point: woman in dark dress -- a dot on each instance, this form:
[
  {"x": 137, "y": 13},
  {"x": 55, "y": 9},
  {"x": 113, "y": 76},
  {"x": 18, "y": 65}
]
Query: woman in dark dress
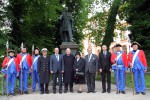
[
  {"x": 79, "y": 66},
  {"x": 44, "y": 71}
]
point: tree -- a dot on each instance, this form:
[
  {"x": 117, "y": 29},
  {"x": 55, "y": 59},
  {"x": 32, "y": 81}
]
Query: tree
[
  {"x": 103, "y": 22},
  {"x": 138, "y": 16},
  {"x": 4, "y": 27},
  {"x": 109, "y": 34},
  {"x": 35, "y": 21}
]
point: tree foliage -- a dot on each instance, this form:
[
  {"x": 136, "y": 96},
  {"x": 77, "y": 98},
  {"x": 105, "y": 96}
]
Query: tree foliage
[
  {"x": 109, "y": 34},
  {"x": 139, "y": 18},
  {"x": 35, "y": 21}
]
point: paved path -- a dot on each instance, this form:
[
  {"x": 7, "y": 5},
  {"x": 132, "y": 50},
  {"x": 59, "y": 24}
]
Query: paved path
[{"x": 83, "y": 96}]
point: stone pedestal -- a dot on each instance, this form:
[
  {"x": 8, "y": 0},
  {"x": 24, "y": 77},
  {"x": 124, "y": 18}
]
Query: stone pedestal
[{"x": 72, "y": 45}]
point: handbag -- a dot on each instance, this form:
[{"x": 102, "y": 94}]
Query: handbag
[{"x": 79, "y": 73}]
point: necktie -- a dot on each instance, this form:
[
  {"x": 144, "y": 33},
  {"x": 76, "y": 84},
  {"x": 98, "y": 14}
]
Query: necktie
[
  {"x": 89, "y": 56},
  {"x": 105, "y": 54},
  {"x": 57, "y": 56}
]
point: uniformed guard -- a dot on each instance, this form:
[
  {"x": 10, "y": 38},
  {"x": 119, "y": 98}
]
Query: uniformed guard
[
  {"x": 10, "y": 64},
  {"x": 35, "y": 76},
  {"x": 119, "y": 58},
  {"x": 44, "y": 71},
  {"x": 138, "y": 63},
  {"x": 24, "y": 60}
]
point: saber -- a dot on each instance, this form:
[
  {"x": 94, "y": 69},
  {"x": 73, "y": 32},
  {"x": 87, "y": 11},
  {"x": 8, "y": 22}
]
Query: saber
[
  {"x": 117, "y": 78},
  {"x": 2, "y": 83},
  {"x": 21, "y": 69},
  {"x": 7, "y": 48},
  {"x": 132, "y": 76},
  {"x": 32, "y": 62}
]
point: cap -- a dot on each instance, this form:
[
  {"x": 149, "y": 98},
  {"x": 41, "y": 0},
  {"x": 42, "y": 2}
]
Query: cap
[
  {"x": 44, "y": 49},
  {"x": 11, "y": 51},
  {"x": 135, "y": 43}
]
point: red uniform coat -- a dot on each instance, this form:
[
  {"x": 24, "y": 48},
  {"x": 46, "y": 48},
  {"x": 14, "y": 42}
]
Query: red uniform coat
[
  {"x": 141, "y": 56},
  {"x": 124, "y": 58},
  {"x": 6, "y": 60},
  {"x": 28, "y": 58}
]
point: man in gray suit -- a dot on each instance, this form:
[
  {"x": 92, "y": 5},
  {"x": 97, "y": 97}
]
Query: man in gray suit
[
  {"x": 57, "y": 69},
  {"x": 91, "y": 68}
]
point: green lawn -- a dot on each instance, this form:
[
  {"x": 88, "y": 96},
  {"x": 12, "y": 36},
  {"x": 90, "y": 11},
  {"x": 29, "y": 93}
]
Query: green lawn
[{"x": 128, "y": 79}]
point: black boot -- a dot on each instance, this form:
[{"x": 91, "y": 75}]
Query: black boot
[
  {"x": 143, "y": 93},
  {"x": 123, "y": 92},
  {"x": 136, "y": 93}
]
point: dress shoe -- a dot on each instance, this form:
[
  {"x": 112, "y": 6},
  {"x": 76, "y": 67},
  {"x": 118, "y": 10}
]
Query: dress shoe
[
  {"x": 136, "y": 93},
  {"x": 47, "y": 92},
  {"x": 42, "y": 92},
  {"x": 93, "y": 91},
  {"x": 88, "y": 91},
  {"x": 54, "y": 92},
  {"x": 103, "y": 91},
  {"x": 71, "y": 91},
  {"x": 123, "y": 92},
  {"x": 26, "y": 92},
  {"x": 60, "y": 92},
  {"x": 79, "y": 91},
  {"x": 143, "y": 93},
  {"x": 65, "y": 91},
  {"x": 108, "y": 91}
]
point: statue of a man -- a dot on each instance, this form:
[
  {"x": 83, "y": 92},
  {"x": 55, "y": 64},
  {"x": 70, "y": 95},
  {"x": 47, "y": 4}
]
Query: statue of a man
[{"x": 66, "y": 26}]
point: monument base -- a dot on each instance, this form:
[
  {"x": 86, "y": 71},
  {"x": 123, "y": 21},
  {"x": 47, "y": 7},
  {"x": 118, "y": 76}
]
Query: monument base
[{"x": 72, "y": 45}]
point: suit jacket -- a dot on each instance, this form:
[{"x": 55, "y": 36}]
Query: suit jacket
[
  {"x": 56, "y": 65},
  {"x": 105, "y": 63},
  {"x": 92, "y": 65},
  {"x": 80, "y": 64},
  {"x": 43, "y": 69}
]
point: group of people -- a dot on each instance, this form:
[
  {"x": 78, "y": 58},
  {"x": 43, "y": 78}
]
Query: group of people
[{"x": 68, "y": 69}]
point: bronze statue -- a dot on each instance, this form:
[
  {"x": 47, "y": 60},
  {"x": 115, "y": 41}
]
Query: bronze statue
[{"x": 66, "y": 26}]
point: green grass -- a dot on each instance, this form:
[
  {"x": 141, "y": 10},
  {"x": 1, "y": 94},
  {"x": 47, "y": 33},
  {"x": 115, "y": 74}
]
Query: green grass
[{"x": 128, "y": 79}]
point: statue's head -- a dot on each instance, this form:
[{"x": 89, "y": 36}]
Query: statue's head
[{"x": 66, "y": 9}]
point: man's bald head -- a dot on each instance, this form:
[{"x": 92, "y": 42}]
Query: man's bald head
[
  {"x": 68, "y": 51},
  {"x": 89, "y": 50}
]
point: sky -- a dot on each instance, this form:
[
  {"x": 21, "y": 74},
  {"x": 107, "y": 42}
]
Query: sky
[{"x": 98, "y": 6}]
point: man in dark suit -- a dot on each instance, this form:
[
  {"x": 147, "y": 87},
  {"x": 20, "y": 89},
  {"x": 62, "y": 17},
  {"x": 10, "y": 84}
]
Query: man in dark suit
[
  {"x": 57, "y": 69},
  {"x": 105, "y": 68},
  {"x": 68, "y": 76},
  {"x": 91, "y": 67}
]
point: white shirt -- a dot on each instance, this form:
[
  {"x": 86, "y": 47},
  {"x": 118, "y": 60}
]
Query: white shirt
[
  {"x": 78, "y": 59},
  {"x": 57, "y": 56},
  {"x": 89, "y": 57}
]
